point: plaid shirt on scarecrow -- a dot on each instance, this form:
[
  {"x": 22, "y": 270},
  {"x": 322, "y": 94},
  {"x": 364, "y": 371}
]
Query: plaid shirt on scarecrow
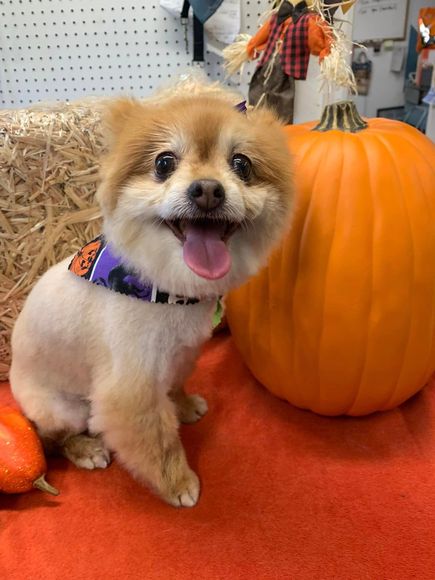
[
  {"x": 296, "y": 33},
  {"x": 295, "y": 52}
]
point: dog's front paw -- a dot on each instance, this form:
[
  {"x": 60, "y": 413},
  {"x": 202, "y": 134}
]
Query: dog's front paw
[
  {"x": 191, "y": 408},
  {"x": 86, "y": 452},
  {"x": 185, "y": 491}
]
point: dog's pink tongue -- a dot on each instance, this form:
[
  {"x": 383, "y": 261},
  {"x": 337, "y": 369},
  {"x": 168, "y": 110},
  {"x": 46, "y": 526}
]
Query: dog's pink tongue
[{"x": 204, "y": 251}]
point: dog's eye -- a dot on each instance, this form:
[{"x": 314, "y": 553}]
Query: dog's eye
[
  {"x": 242, "y": 166},
  {"x": 165, "y": 164}
]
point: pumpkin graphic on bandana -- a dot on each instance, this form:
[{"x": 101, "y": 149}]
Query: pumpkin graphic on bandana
[{"x": 84, "y": 259}]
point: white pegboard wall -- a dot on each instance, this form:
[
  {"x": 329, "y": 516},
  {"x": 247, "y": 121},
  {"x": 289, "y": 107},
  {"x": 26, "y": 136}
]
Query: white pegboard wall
[{"x": 67, "y": 49}]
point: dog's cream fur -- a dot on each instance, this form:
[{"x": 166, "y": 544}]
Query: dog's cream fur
[{"x": 99, "y": 371}]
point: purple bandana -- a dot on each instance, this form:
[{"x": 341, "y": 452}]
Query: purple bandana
[{"x": 97, "y": 263}]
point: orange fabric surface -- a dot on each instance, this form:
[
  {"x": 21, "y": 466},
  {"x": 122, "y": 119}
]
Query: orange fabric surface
[{"x": 286, "y": 495}]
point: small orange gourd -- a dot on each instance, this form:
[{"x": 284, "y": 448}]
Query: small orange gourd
[
  {"x": 342, "y": 320},
  {"x": 22, "y": 461}
]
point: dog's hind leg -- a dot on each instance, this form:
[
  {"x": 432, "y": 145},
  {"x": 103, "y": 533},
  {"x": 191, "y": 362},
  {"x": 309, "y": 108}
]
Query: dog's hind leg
[
  {"x": 86, "y": 451},
  {"x": 190, "y": 408},
  {"x": 61, "y": 419}
]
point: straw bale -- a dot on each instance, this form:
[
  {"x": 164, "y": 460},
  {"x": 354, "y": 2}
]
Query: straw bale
[{"x": 48, "y": 177}]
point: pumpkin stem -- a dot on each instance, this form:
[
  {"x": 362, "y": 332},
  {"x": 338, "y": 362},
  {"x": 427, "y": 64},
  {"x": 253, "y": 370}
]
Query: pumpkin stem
[
  {"x": 43, "y": 485},
  {"x": 342, "y": 116}
]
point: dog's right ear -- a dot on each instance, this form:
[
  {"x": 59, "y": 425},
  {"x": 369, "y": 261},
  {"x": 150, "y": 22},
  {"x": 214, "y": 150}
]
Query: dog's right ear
[
  {"x": 116, "y": 115},
  {"x": 123, "y": 128}
]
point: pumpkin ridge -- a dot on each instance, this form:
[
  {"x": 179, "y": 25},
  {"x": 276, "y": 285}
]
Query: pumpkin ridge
[
  {"x": 282, "y": 273},
  {"x": 430, "y": 355},
  {"x": 270, "y": 309},
  {"x": 313, "y": 143},
  {"x": 251, "y": 319},
  {"x": 420, "y": 157},
  {"x": 430, "y": 365},
  {"x": 247, "y": 352},
  {"x": 426, "y": 375},
  {"x": 430, "y": 362},
  {"x": 394, "y": 162},
  {"x": 327, "y": 271},
  {"x": 397, "y": 129},
  {"x": 358, "y": 385},
  {"x": 302, "y": 156}
]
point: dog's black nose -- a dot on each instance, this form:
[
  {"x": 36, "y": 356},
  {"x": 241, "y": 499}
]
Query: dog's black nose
[{"x": 207, "y": 194}]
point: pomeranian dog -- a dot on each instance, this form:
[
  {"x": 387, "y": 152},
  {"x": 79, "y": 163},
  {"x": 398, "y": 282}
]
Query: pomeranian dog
[{"x": 194, "y": 195}]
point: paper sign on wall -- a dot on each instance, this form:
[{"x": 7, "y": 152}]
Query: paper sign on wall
[
  {"x": 224, "y": 25},
  {"x": 379, "y": 20}
]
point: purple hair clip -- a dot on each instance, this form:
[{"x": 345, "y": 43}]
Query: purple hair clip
[{"x": 241, "y": 107}]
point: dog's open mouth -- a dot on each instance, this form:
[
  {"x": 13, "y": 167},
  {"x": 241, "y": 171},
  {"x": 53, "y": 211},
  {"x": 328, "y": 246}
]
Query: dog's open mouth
[{"x": 204, "y": 241}]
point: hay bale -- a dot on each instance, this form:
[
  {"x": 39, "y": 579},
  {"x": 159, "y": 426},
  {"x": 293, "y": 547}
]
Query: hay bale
[{"x": 48, "y": 177}]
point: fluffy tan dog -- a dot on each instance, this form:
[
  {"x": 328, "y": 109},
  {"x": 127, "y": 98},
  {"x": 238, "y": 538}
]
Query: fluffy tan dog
[{"x": 194, "y": 195}]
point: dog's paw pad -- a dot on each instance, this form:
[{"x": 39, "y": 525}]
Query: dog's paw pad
[
  {"x": 191, "y": 408},
  {"x": 86, "y": 452}
]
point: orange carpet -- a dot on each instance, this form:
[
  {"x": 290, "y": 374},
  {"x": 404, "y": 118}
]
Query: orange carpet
[{"x": 286, "y": 495}]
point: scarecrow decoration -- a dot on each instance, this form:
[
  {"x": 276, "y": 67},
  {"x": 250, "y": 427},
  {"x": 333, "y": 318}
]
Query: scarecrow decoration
[{"x": 283, "y": 45}]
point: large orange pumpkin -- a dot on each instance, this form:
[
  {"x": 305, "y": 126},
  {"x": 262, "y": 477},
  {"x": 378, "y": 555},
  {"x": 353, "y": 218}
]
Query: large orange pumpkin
[{"x": 342, "y": 320}]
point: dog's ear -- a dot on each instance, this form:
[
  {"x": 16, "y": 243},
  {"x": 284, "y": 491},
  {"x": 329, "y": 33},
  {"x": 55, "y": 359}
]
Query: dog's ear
[
  {"x": 125, "y": 126},
  {"x": 270, "y": 150},
  {"x": 116, "y": 115}
]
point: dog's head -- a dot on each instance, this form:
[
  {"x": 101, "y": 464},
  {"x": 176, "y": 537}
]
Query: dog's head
[{"x": 194, "y": 193}]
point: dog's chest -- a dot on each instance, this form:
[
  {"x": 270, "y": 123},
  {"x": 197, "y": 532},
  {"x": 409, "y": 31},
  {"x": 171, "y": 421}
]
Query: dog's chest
[{"x": 159, "y": 339}]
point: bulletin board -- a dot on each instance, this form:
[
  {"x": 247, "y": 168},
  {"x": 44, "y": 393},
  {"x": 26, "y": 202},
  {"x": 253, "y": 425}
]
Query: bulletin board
[{"x": 379, "y": 20}]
